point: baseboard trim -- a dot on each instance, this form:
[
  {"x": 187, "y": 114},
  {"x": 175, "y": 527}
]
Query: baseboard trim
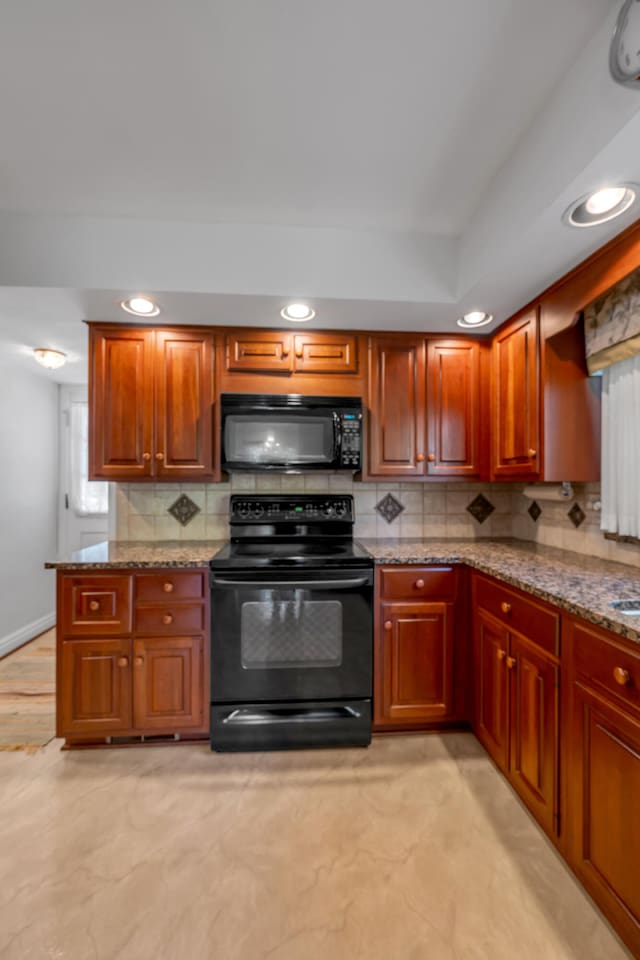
[{"x": 30, "y": 630}]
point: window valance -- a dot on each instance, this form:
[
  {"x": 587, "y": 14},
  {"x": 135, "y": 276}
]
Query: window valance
[{"x": 612, "y": 324}]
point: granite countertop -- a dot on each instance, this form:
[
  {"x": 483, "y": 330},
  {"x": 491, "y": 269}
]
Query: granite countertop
[{"x": 580, "y": 584}]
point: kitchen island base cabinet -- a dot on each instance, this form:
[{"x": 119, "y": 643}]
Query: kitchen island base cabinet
[
  {"x": 418, "y": 665},
  {"x": 141, "y": 683},
  {"x": 603, "y": 775}
]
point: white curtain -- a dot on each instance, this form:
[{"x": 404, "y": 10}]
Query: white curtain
[
  {"x": 621, "y": 448},
  {"x": 88, "y": 497}
]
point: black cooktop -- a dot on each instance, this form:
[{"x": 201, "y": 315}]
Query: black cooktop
[{"x": 291, "y": 553}]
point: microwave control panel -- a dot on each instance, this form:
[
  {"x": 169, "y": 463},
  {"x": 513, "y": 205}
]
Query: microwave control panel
[{"x": 351, "y": 432}]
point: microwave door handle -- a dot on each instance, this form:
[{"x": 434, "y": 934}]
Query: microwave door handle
[
  {"x": 294, "y": 584},
  {"x": 337, "y": 438}
]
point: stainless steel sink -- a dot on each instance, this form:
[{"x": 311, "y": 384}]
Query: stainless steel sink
[{"x": 630, "y": 608}]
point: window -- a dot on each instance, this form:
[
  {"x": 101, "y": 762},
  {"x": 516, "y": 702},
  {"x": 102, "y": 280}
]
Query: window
[
  {"x": 88, "y": 497},
  {"x": 621, "y": 448}
]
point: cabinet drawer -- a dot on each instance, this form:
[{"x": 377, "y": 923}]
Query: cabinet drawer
[
  {"x": 609, "y": 665},
  {"x": 528, "y": 617},
  {"x": 164, "y": 587},
  {"x": 95, "y": 605},
  {"x": 418, "y": 583},
  {"x": 184, "y": 618}
]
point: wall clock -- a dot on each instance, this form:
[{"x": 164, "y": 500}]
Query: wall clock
[{"x": 624, "y": 53}]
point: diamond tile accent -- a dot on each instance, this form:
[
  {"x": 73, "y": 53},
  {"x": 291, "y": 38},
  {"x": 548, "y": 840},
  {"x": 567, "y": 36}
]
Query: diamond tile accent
[
  {"x": 480, "y": 508},
  {"x": 389, "y": 508},
  {"x": 576, "y": 515},
  {"x": 534, "y": 510},
  {"x": 184, "y": 509}
]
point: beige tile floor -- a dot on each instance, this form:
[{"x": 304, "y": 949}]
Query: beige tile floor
[{"x": 412, "y": 850}]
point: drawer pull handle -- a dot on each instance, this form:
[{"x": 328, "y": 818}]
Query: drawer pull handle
[
  {"x": 94, "y": 605},
  {"x": 388, "y": 624},
  {"x": 505, "y": 607},
  {"x": 123, "y": 661},
  {"x": 420, "y": 584},
  {"x": 167, "y": 587},
  {"x": 621, "y": 676},
  {"x": 420, "y": 458},
  {"x": 138, "y": 661},
  {"x": 167, "y": 618},
  {"x": 511, "y": 662},
  {"x": 501, "y": 654}
]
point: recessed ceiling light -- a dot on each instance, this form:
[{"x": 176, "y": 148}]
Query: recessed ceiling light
[
  {"x": 476, "y": 318},
  {"x": 298, "y": 312},
  {"x": 140, "y": 307},
  {"x": 51, "y": 359},
  {"x": 600, "y": 206}
]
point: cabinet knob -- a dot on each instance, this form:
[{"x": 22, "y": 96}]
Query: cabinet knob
[
  {"x": 167, "y": 618},
  {"x": 299, "y": 353},
  {"x": 431, "y": 458},
  {"x": 388, "y": 624},
  {"x": 505, "y": 607},
  {"x": 159, "y": 456},
  {"x": 167, "y": 587},
  {"x": 501, "y": 654},
  {"x": 146, "y": 456},
  {"x": 420, "y": 458},
  {"x": 621, "y": 676},
  {"x": 419, "y": 584},
  {"x": 285, "y": 354},
  {"x": 94, "y": 605},
  {"x": 123, "y": 661},
  {"x": 511, "y": 662},
  {"x": 533, "y": 453},
  {"x": 138, "y": 661}
]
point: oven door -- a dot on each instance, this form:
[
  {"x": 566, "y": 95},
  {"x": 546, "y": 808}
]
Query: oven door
[
  {"x": 300, "y": 439},
  {"x": 291, "y": 635}
]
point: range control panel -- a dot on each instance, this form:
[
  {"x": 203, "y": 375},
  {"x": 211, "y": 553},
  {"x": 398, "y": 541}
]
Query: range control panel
[{"x": 293, "y": 509}]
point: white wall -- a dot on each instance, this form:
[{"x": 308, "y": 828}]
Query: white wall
[{"x": 28, "y": 503}]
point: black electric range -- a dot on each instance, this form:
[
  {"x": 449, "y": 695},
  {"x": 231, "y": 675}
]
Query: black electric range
[{"x": 291, "y": 626}]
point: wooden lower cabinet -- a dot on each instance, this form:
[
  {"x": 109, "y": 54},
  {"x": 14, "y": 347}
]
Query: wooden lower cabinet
[
  {"x": 516, "y": 712},
  {"x": 150, "y": 681},
  {"x": 602, "y": 749},
  {"x": 420, "y": 676}
]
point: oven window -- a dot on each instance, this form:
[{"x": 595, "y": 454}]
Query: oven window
[
  {"x": 273, "y": 439},
  {"x": 291, "y": 633}
]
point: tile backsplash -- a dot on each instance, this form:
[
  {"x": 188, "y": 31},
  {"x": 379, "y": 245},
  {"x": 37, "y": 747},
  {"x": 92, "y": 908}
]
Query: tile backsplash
[{"x": 396, "y": 510}]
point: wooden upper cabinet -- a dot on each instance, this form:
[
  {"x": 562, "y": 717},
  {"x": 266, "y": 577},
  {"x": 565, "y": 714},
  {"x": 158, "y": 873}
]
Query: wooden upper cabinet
[
  {"x": 458, "y": 432},
  {"x": 397, "y": 429},
  {"x": 515, "y": 400},
  {"x": 151, "y": 404},
  {"x": 325, "y": 353},
  {"x": 184, "y": 405},
  {"x": 259, "y": 351},
  {"x": 121, "y": 404}
]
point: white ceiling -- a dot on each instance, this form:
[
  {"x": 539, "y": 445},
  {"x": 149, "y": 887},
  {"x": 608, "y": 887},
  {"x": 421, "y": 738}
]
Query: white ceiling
[{"x": 393, "y": 163}]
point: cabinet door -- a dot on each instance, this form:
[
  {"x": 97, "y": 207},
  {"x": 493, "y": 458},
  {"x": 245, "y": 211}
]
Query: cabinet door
[
  {"x": 515, "y": 400},
  {"x": 396, "y": 428},
  {"x": 491, "y": 719},
  {"x": 94, "y": 688},
  {"x": 258, "y": 351},
  {"x": 415, "y": 663},
  {"x": 184, "y": 405},
  {"x": 454, "y": 409},
  {"x": 120, "y": 404},
  {"x": 533, "y": 764},
  {"x": 603, "y": 800},
  {"x": 325, "y": 353},
  {"x": 168, "y": 684}
]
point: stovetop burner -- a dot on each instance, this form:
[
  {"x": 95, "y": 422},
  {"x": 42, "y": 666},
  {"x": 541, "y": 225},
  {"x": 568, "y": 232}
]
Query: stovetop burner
[{"x": 291, "y": 553}]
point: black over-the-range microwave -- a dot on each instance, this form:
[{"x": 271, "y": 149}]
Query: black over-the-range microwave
[{"x": 290, "y": 433}]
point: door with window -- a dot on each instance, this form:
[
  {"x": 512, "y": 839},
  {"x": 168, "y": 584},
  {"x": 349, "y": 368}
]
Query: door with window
[{"x": 84, "y": 503}]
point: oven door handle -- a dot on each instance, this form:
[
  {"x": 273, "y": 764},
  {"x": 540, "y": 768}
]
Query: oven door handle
[
  {"x": 294, "y": 584},
  {"x": 266, "y": 717}
]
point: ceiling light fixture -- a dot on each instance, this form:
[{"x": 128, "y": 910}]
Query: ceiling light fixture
[
  {"x": 476, "y": 318},
  {"x": 298, "y": 312},
  {"x": 51, "y": 359},
  {"x": 601, "y": 205},
  {"x": 140, "y": 307}
]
